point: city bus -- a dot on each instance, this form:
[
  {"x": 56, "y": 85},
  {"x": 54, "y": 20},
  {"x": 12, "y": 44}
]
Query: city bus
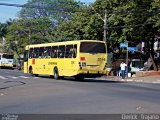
[
  {"x": 79, "y": 59},
  {"x": 6, "y": 60}
]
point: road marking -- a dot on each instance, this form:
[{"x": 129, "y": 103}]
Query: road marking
[
  {"x": 36, "y": 77},
  {"x": 1, "y": 77},
  {"x": 1, "y": 94},
  {"x": 12, "y": 77},
  {"x": 24, "y": 77}
]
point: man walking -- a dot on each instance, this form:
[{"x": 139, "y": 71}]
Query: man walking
[{"x": 123, "y": 66}]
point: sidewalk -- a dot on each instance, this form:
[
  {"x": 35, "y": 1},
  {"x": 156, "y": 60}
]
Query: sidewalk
[{"x": 145, "y": 76}]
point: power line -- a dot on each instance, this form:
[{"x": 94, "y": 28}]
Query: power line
[
  {"x": 50, "y": 7},
  {"x": 109, "y": 11}
]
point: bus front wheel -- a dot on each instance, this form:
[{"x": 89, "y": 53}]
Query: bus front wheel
[{"x": 31, "y": 72}]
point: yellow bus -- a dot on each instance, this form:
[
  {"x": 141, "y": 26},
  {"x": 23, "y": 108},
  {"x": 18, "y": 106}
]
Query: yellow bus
[{"x": 79, "y": 59}]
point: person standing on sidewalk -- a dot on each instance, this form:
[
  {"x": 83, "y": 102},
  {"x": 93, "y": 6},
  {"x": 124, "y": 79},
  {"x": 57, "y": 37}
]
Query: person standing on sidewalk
[{"x": 123, "y": 66}]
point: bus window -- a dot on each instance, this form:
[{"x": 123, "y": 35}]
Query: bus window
[
  {"x": 61, "y": 51},
  {"x": 41, "y": 52},
  {"x": 69, "y": 51},
  {"x": 31, "y": 53},
  {"x": 75, "y": 51},
  {"x": 54, "y": 53},
  {"x": 25, "y": 55},
  {"x": 7, "y": 56},
  {"x": 92, "y": 47},
  {"x": 47, "y": 52},
  {"x": 36, "y": 52},
  {"x": 0, "y": 57}
]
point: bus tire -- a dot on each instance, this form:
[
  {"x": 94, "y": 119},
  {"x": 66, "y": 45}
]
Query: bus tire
[
  {"x": 31, "y": 72},
  {"x": 56, "y": 75}
]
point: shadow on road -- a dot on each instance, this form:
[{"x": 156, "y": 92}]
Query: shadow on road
[{"x": 95, "y": 80}]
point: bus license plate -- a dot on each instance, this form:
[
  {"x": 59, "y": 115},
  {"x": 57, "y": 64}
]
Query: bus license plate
[{"x": 92, "y": 66}]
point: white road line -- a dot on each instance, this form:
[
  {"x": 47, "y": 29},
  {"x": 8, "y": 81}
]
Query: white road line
[
  {"x": 36, "y": 77},
  {"x": 23, "y": 77},
  {"x": 12, "y": 77},
  {"x": 1, "y": 77}
]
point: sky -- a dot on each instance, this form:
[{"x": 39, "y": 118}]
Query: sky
[{"x": 7, "y": 12}]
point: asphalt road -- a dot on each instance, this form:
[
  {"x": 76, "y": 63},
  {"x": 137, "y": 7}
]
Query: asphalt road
[{"x": 21, "y": 93}]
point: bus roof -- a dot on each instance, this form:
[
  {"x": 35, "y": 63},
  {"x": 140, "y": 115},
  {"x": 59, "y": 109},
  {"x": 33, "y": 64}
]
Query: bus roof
[{"x": 61, "y": 43}]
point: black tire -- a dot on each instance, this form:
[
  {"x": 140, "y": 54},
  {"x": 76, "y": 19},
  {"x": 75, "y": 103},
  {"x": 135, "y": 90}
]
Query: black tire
[
  {"x": 56, "y": 74},
  {"x": 31, "y": 72}
]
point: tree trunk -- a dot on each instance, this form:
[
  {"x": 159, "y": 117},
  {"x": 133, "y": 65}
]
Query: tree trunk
[{"x": 154, "y": 65}]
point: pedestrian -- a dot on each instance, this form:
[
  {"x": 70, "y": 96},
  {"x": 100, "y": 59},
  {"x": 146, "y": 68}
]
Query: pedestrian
[{"x": 123, "y": 66}]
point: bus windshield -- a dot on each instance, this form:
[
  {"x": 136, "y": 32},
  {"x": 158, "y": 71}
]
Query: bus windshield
[
  {"x": 92, "y": 47},
  {"x": 7, "y": 56}
]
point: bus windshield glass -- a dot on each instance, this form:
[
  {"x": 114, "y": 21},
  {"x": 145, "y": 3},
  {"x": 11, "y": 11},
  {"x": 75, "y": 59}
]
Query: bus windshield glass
[
  {"x": 92, "y": 47},
  {"x": 7, "y": 56}
]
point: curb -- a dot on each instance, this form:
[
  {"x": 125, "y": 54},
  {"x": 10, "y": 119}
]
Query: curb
[{"x": 138, "y": 79}]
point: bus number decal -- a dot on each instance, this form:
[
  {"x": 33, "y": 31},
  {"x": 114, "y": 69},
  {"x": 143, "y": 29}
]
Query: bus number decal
[
  {"x": 52, "y": 63},
  {"x": 101, "y": 59},
  {"x": 72, "y": 62}
]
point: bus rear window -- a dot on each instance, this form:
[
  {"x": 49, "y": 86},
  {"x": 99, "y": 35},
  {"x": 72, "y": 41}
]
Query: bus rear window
[
  {"x": 7, "y": 56},
  {"x": 92, "y": 47}
]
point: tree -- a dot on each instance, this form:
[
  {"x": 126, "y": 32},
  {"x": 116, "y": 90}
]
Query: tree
[
  {"x": 55, "y": 10},
  {"x": 29, "y": 31},
  {"x": 82, "y": 25},
  {"x": 3, "y": 32}
]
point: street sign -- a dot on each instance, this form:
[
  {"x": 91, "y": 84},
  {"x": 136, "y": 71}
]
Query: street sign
[
  {"x": 123, "y": 45},
  {"x": 132, "y": 49}
]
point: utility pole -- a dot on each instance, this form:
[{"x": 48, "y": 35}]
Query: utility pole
[{"x": 104, "y": 21}]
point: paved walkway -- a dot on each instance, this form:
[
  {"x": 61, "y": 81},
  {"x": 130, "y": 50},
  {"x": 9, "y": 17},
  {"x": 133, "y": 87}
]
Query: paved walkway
[{"x": 145, "y": 79}]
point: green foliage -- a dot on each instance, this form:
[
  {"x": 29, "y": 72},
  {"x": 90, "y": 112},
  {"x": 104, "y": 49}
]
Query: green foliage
[
  {"x": 55, "y": 10},
  {"x": 61, "y": 20},
  {"x": 83, "y": 25},
  {"x": 29, "y": 31},
  {"x": 3, "y": 30}
]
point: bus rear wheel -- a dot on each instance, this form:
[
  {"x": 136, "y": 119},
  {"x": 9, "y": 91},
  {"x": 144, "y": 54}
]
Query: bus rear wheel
[
  {"x": 56, "y": 75},
  {"x": 31, "y": 71}
]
